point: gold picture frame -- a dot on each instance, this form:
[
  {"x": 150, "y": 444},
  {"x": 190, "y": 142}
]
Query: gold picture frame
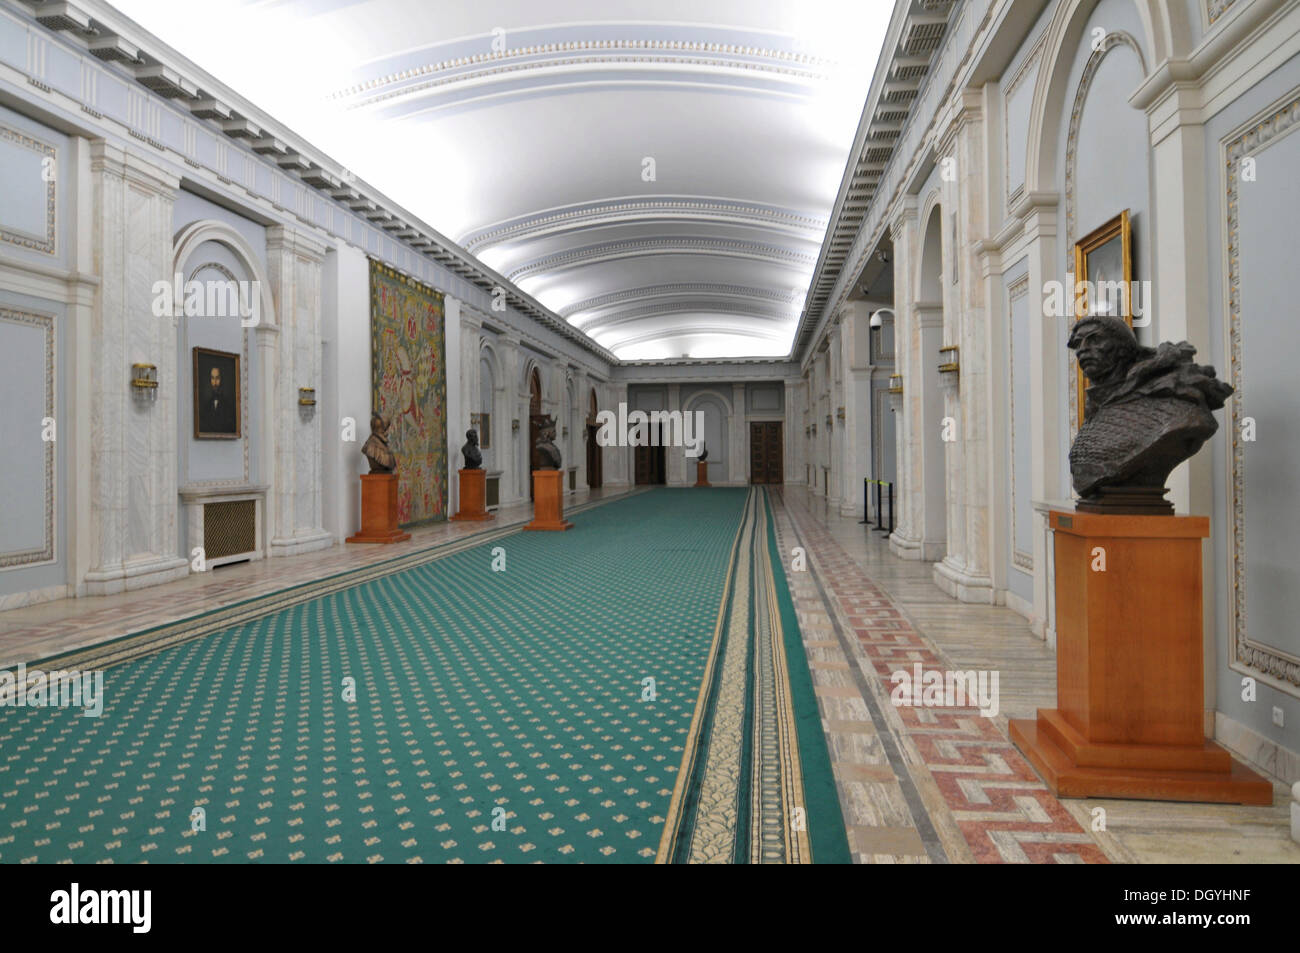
[
  {"x": 217, "y": 384},
  {"x": 1104, "y": 258}
]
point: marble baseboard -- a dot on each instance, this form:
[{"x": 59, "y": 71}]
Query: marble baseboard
[
  {"x": 140, "y": 575},
  {"x": 297, "y": 545},
  {"x": 17, "y": 600},
  {"x": 1265, "y": 754},
  {"x": 963, "y": 586}
]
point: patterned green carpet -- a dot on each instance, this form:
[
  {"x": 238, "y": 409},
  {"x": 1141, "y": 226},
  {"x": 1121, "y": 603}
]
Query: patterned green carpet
[{"x": 498, "y": 715}]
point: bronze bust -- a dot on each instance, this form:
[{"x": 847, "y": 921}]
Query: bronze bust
[
  {"x": 1147, "y": 410},
  {"x": 547, "y": 452},
  {"x": 473, "y": 456},
  {"x": 376, "y": 449}
]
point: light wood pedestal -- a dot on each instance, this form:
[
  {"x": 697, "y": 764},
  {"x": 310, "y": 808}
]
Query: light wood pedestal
[
  {"x": 1129, "y": 668},
  {"x": 548, "y": 502},
  {"x": 379, "y": 510},
  {"x": 473, "y": 493}
]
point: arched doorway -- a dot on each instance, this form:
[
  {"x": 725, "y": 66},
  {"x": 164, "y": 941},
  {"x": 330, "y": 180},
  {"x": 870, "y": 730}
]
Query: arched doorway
[
  {"x": 594, "y": 456},
  {"x": 535, "y": 421}
]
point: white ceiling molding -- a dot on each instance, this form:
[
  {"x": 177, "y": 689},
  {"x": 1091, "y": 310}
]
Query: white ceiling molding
[{"x": 587, "y": 151}]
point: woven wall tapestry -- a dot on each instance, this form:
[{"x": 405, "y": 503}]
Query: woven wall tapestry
[{"x": 409, "y": 386}]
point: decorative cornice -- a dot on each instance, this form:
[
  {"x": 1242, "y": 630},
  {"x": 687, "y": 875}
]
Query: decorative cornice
[
  {"x": 641, "y": 209},
  {"x": 562, "y": 56},
  {"x": 695, "y": 289},
  {"x": 637, "y": 248}
]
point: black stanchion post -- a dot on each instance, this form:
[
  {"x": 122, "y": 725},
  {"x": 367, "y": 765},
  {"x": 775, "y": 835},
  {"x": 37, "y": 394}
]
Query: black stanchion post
[{"x": 866, "y": 493}]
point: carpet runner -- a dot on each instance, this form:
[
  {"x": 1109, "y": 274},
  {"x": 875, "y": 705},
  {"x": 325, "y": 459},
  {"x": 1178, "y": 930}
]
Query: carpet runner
[{"x": 630, "y": 691}]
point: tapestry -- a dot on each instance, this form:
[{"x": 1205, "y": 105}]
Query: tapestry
[{"x": 409, "y": 386}]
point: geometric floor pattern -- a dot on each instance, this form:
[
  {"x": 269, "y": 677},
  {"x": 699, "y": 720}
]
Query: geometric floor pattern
[
  {"x": 992, "y": 796},
  {"x": 525, "y": 699}
]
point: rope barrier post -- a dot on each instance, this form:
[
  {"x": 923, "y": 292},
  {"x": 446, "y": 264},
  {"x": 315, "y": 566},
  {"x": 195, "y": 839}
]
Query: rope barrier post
[{"x": 866, "y": 493}]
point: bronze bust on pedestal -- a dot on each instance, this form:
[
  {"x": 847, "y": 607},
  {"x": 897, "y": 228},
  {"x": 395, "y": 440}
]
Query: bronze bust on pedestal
[{"x": 1147, "y": 410}]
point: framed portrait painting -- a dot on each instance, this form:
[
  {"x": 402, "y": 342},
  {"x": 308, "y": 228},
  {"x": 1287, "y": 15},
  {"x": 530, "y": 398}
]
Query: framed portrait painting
[
  {"x": 1103, "y": 274},
  {"x": 217, "y": 413}
]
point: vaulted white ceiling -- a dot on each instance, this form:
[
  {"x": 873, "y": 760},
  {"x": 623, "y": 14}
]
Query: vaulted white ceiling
[{"x": 659, "y": 174}]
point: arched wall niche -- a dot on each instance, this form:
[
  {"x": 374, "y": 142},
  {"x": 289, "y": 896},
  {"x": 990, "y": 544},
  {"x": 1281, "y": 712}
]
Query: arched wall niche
[
  {"x": 717, "y": 411},
  {"x": 214, "y": 253}
]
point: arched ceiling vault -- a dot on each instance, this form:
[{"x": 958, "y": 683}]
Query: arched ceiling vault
[{"x": 659, "y": 175}]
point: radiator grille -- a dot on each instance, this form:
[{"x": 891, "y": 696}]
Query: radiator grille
[
  {"x": 229, "y": 528},
  {"x": 492, "y": 490}
]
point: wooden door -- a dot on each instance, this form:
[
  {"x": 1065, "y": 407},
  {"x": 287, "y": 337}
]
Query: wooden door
[
  {"x": 766, "y": 453},
  {"x": 650, "y": 468},
  {"x": 594, "y": 457}
]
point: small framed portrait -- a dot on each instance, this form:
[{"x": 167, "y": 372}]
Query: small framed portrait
[
  {"x": 216, "y": 395},
  {"x": 1103, "y": 274}
]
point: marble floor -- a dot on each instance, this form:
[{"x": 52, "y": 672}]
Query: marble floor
[
  {"x": 922, "y": 786},
  {"x": 917, "y": 785}
]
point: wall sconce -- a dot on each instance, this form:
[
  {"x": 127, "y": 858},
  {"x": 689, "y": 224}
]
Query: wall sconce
[
  {"x": 828, "y": 421},
  {"x": 896, "y": 384},
  {"x": 564, "y": 432},
  {"x": 144, "y": 381},
  {"x": 839, "y": 413},
  {"x": 514, "y": 426},
  {"x": 306, "y": 397},
  {"x": 814, "y": 430},
  {"x": 951, "y": 364}
]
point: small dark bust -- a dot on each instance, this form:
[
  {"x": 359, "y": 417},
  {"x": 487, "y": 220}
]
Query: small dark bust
[
  {"x": 376, "y": 449},
  {"x": 548, "y": 453},
  {"x": 1147, "y": 410},
  {"x": 704, "y": 452},
  {"x": 473, "y": 456}
]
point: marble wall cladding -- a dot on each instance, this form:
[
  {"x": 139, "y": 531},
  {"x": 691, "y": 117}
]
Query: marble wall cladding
[
  {"x": 295, "y": 269},
  {"x": 133, "y": 443}
]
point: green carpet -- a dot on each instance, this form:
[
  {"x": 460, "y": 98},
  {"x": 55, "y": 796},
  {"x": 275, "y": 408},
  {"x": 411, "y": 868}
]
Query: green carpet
[{"x": 498, "y": 716}]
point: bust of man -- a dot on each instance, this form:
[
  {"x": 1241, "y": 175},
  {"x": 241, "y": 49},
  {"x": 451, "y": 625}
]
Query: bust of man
[
  {"x": 547, "y": 451},
  {"x": 473, "y": 456},
  {"x": 376, "y": 449},
  {"x": 1147, "y": 410}
]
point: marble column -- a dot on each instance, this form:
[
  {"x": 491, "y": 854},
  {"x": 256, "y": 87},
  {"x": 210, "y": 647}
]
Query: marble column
[
  {"x": 294, "y": 512},
  {"x": 794, "y": 440},
  {"x": 905, "y": 541},
  {"x": 738, "y": 438},
  {"x": 965, "y": 571},
  {"x": 133, "y": 501},
  {"x": 675, "y": 457}
]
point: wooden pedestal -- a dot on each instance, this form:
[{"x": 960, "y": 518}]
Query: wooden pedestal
[
  {"x": 548, "y": 502},
  {"x": 1129, "y": 720},
  {"x": 473, "y": 487},
  {"x": 379, "y": 510},
  {"x": 702, "y": 474}
]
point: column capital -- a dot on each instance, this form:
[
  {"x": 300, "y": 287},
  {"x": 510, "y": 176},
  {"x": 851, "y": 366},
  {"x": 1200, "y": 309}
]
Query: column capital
[
  {"x": 109, "y": 158},
  {"x": 289, "y": 239}
]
